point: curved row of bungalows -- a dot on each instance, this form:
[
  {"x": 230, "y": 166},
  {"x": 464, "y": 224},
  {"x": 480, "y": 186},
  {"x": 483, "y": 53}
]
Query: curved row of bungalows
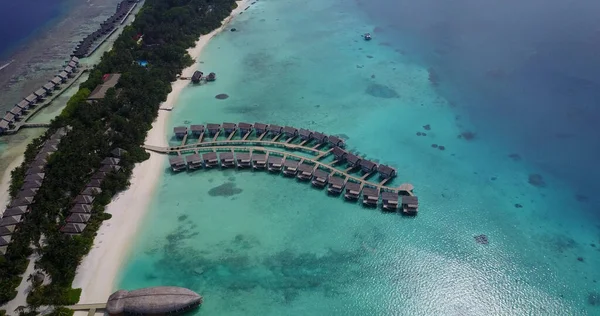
[
  {"x": 353, "y": 161},
  {"x": 20, "y": 206},
  {"x": 82, "y": 206},
  {"x": 106, "y": 27}
]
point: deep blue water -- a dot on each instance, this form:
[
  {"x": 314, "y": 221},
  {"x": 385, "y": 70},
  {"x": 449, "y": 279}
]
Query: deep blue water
[
  {"x": 19, "y": 20},
  {"x": 524, "y": 73}
]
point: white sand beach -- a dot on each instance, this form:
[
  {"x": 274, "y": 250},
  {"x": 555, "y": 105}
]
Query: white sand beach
[{"x": 99, "y": 269}]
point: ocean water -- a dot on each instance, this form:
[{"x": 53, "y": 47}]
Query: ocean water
[{"x": 254, "y": 243}]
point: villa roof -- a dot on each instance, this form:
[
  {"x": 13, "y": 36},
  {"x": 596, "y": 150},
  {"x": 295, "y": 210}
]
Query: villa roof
[
  {"x": 304, "y": 133},
  {"x": 31, "y": 98},
  {"x": 370, "y": 192},
  {"x": 31, "y": 185},
  {"x": 91, "y": 191},
  {"x": 64, "y": 75},
  {"x": 73, "y": 228},
  {"x": 213, "y": 126},
  {"x": 78, "y": 218},
  {"x": 389, "y": 196},
  {"x": 410, "y": 200},
  {"x": 35, "y": 169},
  {"x": 197, "y": 128},
  {"x": 320, "y": 137},
  {"x": 17, "y": 210},
  {"x": 275, "y": 160},
  {"x": 353, "y": 159},
  {"x": 81, "y": 208},
  {"x": 94, "y": 183},
  {"x": 110, "y": 161},
  {"x": 289, "y": 130},
  {"x": 176, "y": 160},
  {"x": 5, "y": 240},
  {"x": 261, "y": 126},
  {"x": 275, "y": 128},
  {"x": 259, "y": 157},
  {"x": 386, "y": 170},
  {"x": 35, "y": 176},
  {"x": 243, "y": 125},
  {"x": 22, "y": 201},
  {"x": 49, "y": 86},
  {"x": 23, "y": 104},
  {"x": 7, "y": 230},
  {"x": 242, "y": 156},
  {"x": 56, "y": 80},
  {"x": 352, "y": 186},
  {"x": 335, "y": 180},
  {"x": 109, "y": 168},
  {"x": 15, "y": 111},
  {"x": 226, "y": 156},
  {"x": 84, "y": 199},
  {"x": 321, "y": 174},
  {"x": 290, "y": 163},
  {"x": 11, "y": 220},
  {"x": 99, "y": 175},
  {"x": 336, "y": 141},
  {"x": 180, "y": 129},
  {"x": 118, "y": 152},
  {"x": 27, "y": 193},
  {"x": 40, "y": 92},
  {"x": 367, "y": 164},
  {"x": 229, "y": 125},
  {"x": 4, "y": 125},
  {"x": 194, "y": 158},
  {"x": 209, "y": 156},
  {"x": 100, "y": 91},
  {"x": 9, "y": 117},
  {"x": 338, "y": 152}
]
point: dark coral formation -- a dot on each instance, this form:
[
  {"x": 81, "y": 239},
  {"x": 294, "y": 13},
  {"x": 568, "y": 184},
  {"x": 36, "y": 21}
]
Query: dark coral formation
[
  {"x": 581, "y": 198},
  {"x": 369, "y": 56},
  {"x": 594, "y": 299},
  {"x": 440, "y": 147},
  {"x": 537, "y": 180},
  {"x": 226, "y": 189},
  {"x": 515, "y": 157},
  {"x": 419, "y": 134},
  {"x": 381, "y": 91},
  {"x": 434, "y": 78},
  {"x": 580, "y": 259},
  {"x": 493, "y": 178},
  {"x": 517, "y": 205},
  {"x": 482, "y": 239},
  {"x": 467, "y": 135},
  {"x": 427, "y": 127},
  {"x": 434, "y": 146},
  {"x": 221, "y": 96}
]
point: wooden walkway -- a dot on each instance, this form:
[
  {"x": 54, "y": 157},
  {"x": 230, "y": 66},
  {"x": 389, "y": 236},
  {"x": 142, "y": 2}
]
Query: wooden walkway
[
  {"x": 252, "y": 148},
  {"x": 91, "y": 308},
  {"x": 191, "y": 148}
]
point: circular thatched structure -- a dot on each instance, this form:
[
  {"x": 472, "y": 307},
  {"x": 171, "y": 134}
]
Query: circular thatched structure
[{"x": 161, "y": 300}]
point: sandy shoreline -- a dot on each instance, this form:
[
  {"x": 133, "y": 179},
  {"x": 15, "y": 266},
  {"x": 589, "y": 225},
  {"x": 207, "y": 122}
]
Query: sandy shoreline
[{"x": 99, "y": 269}]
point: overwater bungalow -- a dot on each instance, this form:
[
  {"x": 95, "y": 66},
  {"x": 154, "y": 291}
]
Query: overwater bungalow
[
  {"x": 197, "y": 76},
  {"x": 17, "y": 210},
  {"x": 17, "y": 112},
  {"x": 49, "y": 87},
  {"x": 353, "y": 160},
  {"x": 227, "y": 159},
  {"x": 162, "y": 300},
  {"x": 26, "y": 201},
  {"x": 23, "y": 104},
  {"x": 305, "y": 134},
  {"x": 9, "y": 117},
  {"x": 63, "y": 75},
  {"x": 110, "y": 161},
  {"x": 81, "y": 208},
  {"x": 40, "y": 93},
  {"x": 390, "y": 200},
  {"x": 213, "y": 129},
  {"x": 229, "y": 128},
  {"x": 73, "y": 228},
  {"x": 370, "y": 197},
  {"x": 109, "y": 168},
  {"x": 339, "y": 154},
  {"x": 410, "y": 204},
  {"x": 32, "y": 99},
  {"x": 336, "y": 184},
  {"x": 180, "y": 131},
  {"x": 5, "y": 240},
  {"x": 73, "y": 65},
  {"x": 56, "y": 81},
  {"x": 320, "y": 137},
  {"x": 386, "y": 171},
  {"x": 244, "y": 160},
  {"x": 35, "y": 176},
  {"x": 84, "y": 199},
  {"x": 368, "y": 166},
  {"x": 70, "y": 72},
  {"x": 75, "y": 60},
  {"x": 352, "y": 191},
  {"x": 290, "y": 132},
  {"x": 7, "y": 230},
  {"x": 335, "y": 141},
  {"x": 78, "y": 218},
  {"x": 320, "y": 178},
  {"x": 31, "y": 185},
  {"x": 290, "y": 167},
  {"x": 244, "y": 127},
  {"x": 4, "y": 126},
  {"x": 194, "y": 161},
  {"x": 259, "y": 161},
  {"x": 275, "y": 129},
  {"x": 197, "y": 130},
  {"x": 260, "y": 128},
  {"x": 305, "y": 171},
  {"x": 177, "y": 163},
  {"x": 210, "y": 159},
  {"x": 275, "y": 163},
  {"x": 11, "y": 220}
]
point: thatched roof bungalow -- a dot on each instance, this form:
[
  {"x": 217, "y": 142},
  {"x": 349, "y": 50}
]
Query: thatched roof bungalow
[
  {"x": 31, "y": 185},
  {"x": 7, "y": 230},
  {"x": 35, "y": 177},
  {"x": 197, "y": 130},
  {"x": 91, "y": 191},
  {"x": 319, "y": 137},
  {"x": 275, "y": 129},
  {"x": 73, "y": 228},
  {"x": 16, "y": 210},
  {"x": 4, "y": 126},
  {"x": 162, "y": 300},
  {"x": 335, "y": 141},
  {"x": 260, "y": 128},
  {"x": 94, "y": 183},
  {"x": 110, "y": 161},
  {"x": 339, "y": 153},
  {"x": 213, "y": 128},
  {"x": 109, "y": 168},
  {"x": 27, "y": 193},
  {"x": 99, "y": 175},
  {"x": 32, "y": 99},
  {"x": 11, "y": 220},
  {"x": 49, "y": 87},
  {"x": 5, "y": 240},
  {"x": 386, "y": 171},
  {"x": 84, "y": 199},
  {"x": 368, "y": 166},
  {"x": 229, "y": 127},
  {"x": 180, "y": 131},
  {"x": 244, "y": 127},
  {"x": 290, "y": 131},
  {"x": 23, "y": 104},
  {"x": 40, "y": 93},
  {"x": 118, "y": 152},
  {"x": 22, "y": 201}
]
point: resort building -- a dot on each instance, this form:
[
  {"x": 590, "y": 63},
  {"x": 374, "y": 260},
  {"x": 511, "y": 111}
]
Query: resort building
[
  {"x": 320, "y": 178},
  {"x": 227, "y": 159},
  {"x": 108, "y": 81},
  {"x": 243, "y": 160},
  {"x": 210, "y": 159},
  {"x": 305, "y": 171},
  {"x": 290, "y": 167},
  {"x": 177, "y": 163},
  {"x": 370, "y": 197},
  {"x": 352, "y": 191},
  {"x": 336, "y": 184},
  {"x": 180, "y": 131}
]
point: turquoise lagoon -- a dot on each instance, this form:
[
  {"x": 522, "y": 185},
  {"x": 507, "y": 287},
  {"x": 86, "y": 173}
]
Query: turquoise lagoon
[{"x": 253, "y": 243}]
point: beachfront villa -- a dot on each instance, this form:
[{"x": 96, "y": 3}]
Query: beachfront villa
[
  {"x": 108, "y": 81},
  {"x": 160, "y": 300}
]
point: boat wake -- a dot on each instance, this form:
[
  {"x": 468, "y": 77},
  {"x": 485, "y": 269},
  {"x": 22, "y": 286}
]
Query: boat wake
[{"x": 7, "y": 64}]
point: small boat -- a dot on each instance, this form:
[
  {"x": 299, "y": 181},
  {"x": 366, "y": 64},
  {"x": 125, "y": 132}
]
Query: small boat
[{"x": 367, "y": 36}]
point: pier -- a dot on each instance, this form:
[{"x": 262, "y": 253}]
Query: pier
[{"x": 301, "y": 155}]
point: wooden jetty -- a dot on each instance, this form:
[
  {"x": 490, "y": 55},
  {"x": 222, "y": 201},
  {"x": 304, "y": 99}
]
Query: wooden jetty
[{"x": 296, "y": 153}]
